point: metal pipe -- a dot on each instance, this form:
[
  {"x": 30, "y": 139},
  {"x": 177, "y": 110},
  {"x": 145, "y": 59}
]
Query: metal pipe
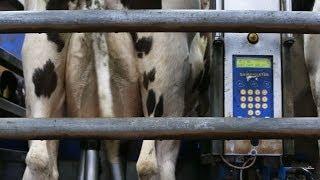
[
  {"x": 159, "y": 21},
  {"x": 219, "y": 4},
  {"x": 159, "y": 128},
  {"x": 218, "y": 38},
  {"x": 92, "y": 165},
  {"x": 82, "y": 165},
  {"x": 289, "y": 39},
  {"x": 288, "y": 6}
]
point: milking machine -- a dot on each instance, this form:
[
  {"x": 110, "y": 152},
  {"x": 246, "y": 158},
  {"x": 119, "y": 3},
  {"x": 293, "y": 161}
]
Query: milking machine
[{"x": 251, "y": 78}]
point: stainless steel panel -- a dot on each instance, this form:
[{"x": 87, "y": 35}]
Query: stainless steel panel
[{"x": 269, "y": 44}]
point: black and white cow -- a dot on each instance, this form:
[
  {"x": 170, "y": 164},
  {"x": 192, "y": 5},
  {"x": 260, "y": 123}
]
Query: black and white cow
[{"x": 111, "y": 75}]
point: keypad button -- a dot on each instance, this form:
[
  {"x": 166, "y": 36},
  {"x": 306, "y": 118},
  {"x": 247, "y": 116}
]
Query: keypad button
[
  {"x": 250, "y": 99},
  {"x": 254, "y": 84},
  {"x": 250, "y": 92},
  {"x": 264, "y": 92},
  {"x": 240, "y": 84},
  {"x": 258, "y": 113},
  {"x": 243, "y": 92},
  {"x": 257, "y": 92},
  {"x": 257, "y": 99},
  {"x": 243, "y": 99},
  {"x": 250, "y": 112},
  {"x": 250, "y": 106},
  {"x": 257, "y": 106},
  {"x": 243, "y": 105},
  {"x": 267, "y": 84},
  {"x": 265, "y": 106},
  {"x": 264, "y": 99}
]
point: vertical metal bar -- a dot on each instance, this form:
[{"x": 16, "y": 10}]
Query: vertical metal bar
[
  {"x": 219, "y": 5},
  {"x": 92, "y": 164},
  {"x": 116, "y": 171},
  {"x": 217, "y": 89},
  {"x": 92, "y": 160},
  {"x": 287, "y": 85},
  {"x": 82, "y": 165},
  {"x": 288, "y": 96},
  {"x": 217, "y": 81},
  {"x": 212, "y": 150},
  {"x": 287, "y": 6}
]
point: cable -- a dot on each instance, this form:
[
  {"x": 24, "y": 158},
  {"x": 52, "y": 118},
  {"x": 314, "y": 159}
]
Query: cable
[
  {"x": 244, "y": 164},
  {"x": 253, "y": 159}
]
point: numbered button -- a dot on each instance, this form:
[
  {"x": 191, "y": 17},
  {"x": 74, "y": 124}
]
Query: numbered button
[
  {"x": 257, "y": 106},
  {"x": 243, "y": 92},
  {"x": 250, "y": 92},
  {"x": 264, "y": 99},
  {"x": 264, "y": 92},
  {"x": 243, "y": 105},
  {"x": 265, "y": 106},
  {"x": 258, "y": 113},
  {"x": 250, "y": 113},
  {"x": 257, "y": 92},
  {"x": 250, "y": 99},
  {"x": 243, "y": 99},
  {"x": 257, "y": 99},
  {"x": 250, "y": 106}
]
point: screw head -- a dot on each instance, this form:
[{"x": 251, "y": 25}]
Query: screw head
[{"x": 253, "y": 38}]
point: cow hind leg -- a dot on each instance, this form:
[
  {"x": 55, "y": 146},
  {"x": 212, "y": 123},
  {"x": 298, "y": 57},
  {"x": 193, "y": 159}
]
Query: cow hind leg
[
  {"x": 42, "y": 161},
  {"x": 44, "y": 63},
  {"x": 147, "y": 165},
  {"x": 167, "y": 153}
]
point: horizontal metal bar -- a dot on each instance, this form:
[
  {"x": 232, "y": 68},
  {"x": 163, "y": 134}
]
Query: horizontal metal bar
[
  {"x": 160, "y": 128},
  {"x": 12, "y": 108},
  {"x": 159, "y": 21},
  {"x": 10, "y": 62}
]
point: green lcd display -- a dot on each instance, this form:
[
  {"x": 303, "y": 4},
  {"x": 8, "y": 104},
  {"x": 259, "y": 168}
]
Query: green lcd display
[{"x": 253, "y": 62}]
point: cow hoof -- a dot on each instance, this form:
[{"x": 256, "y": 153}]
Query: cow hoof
[
  {"x": 38, "y": 162},
  {"x": 147, "y": 170}
]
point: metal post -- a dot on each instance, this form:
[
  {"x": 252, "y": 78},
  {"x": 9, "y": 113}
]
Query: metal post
[
  {"x": 82, "y": 164},
  {"x": 288, "y": 96},
  {"x": 288, "y": 7},
  {"x": 92, "y": 160},
  {"x": 92, "y": 165},
  {"x": 215, "y": 147},
  {"x": 219, "y": 36}
]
